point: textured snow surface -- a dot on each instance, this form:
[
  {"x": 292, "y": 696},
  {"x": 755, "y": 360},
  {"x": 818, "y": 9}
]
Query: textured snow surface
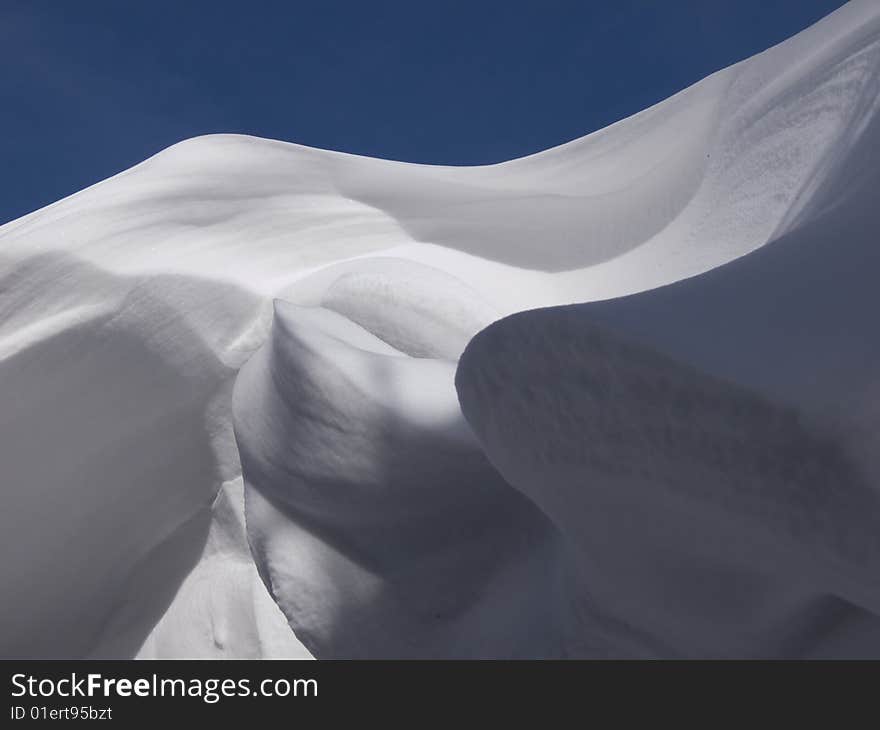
[{"x": 233, "y": 399}]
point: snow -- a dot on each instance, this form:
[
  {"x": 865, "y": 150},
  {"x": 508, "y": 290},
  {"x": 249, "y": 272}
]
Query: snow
[
  {"x": 706, "y": 518},
  {"x": 368, "y": 498},
  {"x": 231, "y": 396}
]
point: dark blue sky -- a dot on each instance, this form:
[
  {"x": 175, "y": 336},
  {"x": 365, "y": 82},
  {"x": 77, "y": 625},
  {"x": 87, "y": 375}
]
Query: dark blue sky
[{"x": 91, "y": 87}]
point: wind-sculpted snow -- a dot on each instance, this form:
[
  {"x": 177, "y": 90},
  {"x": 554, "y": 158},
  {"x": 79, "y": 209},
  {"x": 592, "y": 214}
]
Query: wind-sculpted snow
[
  {"x": 707, "y": 520},
  {"x": 420, "y": 310},
  {"x": 113, "y": 410},
  {"x": 375, "y": 519},
  {"x": 744, "y": 472},
  {"x": 731, "y": 232}
]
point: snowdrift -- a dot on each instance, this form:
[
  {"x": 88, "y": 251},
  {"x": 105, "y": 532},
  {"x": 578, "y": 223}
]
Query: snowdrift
[{"x": 233, "y": 400}]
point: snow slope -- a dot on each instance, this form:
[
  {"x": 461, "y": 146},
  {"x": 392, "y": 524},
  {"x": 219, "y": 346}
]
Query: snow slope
[
  {"x": 380, "y": 520},
  {"x": 729, "y": 424}
]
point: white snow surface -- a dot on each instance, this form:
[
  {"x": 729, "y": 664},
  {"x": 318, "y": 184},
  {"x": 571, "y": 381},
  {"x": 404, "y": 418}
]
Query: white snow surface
[{"x": 236, "y": 421}]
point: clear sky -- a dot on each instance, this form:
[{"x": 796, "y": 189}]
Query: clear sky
[{"x": 91, "y": 87}]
